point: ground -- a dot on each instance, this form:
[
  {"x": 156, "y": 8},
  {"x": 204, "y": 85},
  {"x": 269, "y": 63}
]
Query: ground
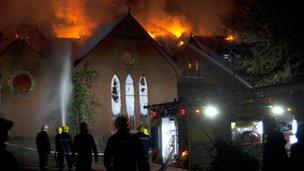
[{"x": 27, "y": 156}]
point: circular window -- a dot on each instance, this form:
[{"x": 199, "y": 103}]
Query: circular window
[
  {"x": 22, "y": 83},
  {"x": 128, "y": 57}
]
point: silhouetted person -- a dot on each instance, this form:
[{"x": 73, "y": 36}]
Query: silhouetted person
[
  {"x": 58, "y": 132},
  {"x": 297, "y": 150},
  {"x": 144, "y": 145},
  {"x": 120, "y": 152},
  {"x": 269, "y": 125},
  {"x": 7, "y": 160},
  {"x": 44, "y": 147},
  {"x": 274, "y": 154},
  {"x": 63, "y": 144},
  {"x": 84, "y": 145}
]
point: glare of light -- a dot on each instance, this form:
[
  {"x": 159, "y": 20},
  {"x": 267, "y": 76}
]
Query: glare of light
[
  {"x": 294, "y": 126},
  {"x": 293, "y": 138},
  {"x": 211, "y": 111},
  {"x": 259, "y": 127},
  {"x": 233, "y": 124},
  {"x": 168, "y": 133},
  {"x": 184, "y": 154},
  {"x": 277, "y": 110}
]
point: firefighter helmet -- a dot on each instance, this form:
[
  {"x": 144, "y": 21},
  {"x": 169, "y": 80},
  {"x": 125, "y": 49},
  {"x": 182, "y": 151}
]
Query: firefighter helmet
[
  {"x": 143, "y": 129},
  {"x": 45, "y": 128},
  {"x": 65, "y": 128},
  {"x": 59, "y": 130}
]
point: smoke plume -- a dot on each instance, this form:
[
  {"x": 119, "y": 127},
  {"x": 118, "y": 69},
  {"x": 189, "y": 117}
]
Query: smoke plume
[{"x": 80, "y": 18}]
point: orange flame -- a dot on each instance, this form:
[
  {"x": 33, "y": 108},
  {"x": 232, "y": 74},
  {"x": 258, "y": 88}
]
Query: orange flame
[
  {"x": 72, "y": 21},
  {"x": 167, "y": 26},
  {"x": 230, "y": 38}
]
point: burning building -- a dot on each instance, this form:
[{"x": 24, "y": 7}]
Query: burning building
[{"x": 132, "y": 70}]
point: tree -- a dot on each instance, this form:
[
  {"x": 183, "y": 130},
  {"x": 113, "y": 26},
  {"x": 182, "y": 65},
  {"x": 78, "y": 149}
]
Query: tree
[
  {"x": 81, "y": 108},
  {"x": 273, "y": 29}
]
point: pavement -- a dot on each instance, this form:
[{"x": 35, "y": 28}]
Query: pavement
[
  {"x": 97, "y": 167},
  {"x": 28, "y": 160}
]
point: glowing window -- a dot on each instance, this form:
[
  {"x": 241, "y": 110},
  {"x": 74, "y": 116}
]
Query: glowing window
[
  {"x": 189, "y": 65},
  {"x": 115, "y": 95},
  {"x": 130, "y": 96},
  {"x": 143, "y": 95}
]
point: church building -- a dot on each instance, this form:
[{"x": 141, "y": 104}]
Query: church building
[{"x": 132, "y": 70}]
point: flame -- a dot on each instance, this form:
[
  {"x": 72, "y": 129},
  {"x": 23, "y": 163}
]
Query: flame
[
  {"x": 230, "y": 38},
  {"x": 72, "y": 21},
  {"x": 167, "y": 26},
  {"x": 180, "y": 43}
]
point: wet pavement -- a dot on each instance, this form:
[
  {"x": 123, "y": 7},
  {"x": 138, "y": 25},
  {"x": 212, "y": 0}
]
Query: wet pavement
[{"x": 28, "y": 159}]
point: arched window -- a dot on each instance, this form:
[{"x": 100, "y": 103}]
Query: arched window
[
  {"x": 115, "y": 95},
  {"x": 143, "y": 95},
  {"x": 130, "y": 96}
]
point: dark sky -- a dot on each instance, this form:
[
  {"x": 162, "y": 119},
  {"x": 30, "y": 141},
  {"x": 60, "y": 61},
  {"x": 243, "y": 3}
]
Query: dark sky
[{"x": 201, "y": 15}]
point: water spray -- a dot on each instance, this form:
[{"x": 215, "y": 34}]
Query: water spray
[{"x": 65, "y": 87}]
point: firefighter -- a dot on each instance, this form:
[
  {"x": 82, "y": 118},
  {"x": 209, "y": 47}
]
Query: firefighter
[
  {"x": 144, "y": 145},
  {"x": 58, "y": 133},
  {"x": 84, "y": 145},
  {"x": 120, "y": 151},
  {"x": 44, "y": 147},
  {"x": 7, "y": 160},
  {"x": 63, "y": 144}
]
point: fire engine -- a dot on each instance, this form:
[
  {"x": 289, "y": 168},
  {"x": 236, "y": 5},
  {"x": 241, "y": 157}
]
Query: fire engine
[{"x": 182, "y": 131}]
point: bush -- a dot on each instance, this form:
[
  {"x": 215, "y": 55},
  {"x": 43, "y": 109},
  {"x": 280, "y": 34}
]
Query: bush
[{"x": 232, "y": 156}]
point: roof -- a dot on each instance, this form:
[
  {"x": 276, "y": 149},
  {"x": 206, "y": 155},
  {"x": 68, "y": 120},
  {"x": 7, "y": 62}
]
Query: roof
[
  {"x": 116, "y": 24},
  {"x": 214, "y": 56},
  {"x": 20, "y": 43},
  {"x": 96, "y": 38}
]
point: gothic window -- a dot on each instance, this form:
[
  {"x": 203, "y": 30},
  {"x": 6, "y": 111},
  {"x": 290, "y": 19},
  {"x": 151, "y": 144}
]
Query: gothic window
[
  {"x": 115, "y": 95},
  {"x": 143, "y": 95},
  {"x": 130, "y": 96}
]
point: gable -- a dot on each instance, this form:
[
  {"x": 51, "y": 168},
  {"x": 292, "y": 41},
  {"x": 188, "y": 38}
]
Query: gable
[
  {"x": 213, "y": 70},
  {"x": 127, "y": 31},
  {"x": 18, "y": 46},
  {"x": 19, "y": 55}
]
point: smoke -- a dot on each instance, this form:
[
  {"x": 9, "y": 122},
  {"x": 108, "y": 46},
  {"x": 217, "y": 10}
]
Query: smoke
[
  {"x": 55, "y": 17},
  {"x": 201, "y": 16}
]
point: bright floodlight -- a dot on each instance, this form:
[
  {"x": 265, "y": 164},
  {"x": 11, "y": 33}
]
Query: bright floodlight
[
  {"x": 277, "y": 110},
  {"x": 211, "y": 111}
]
